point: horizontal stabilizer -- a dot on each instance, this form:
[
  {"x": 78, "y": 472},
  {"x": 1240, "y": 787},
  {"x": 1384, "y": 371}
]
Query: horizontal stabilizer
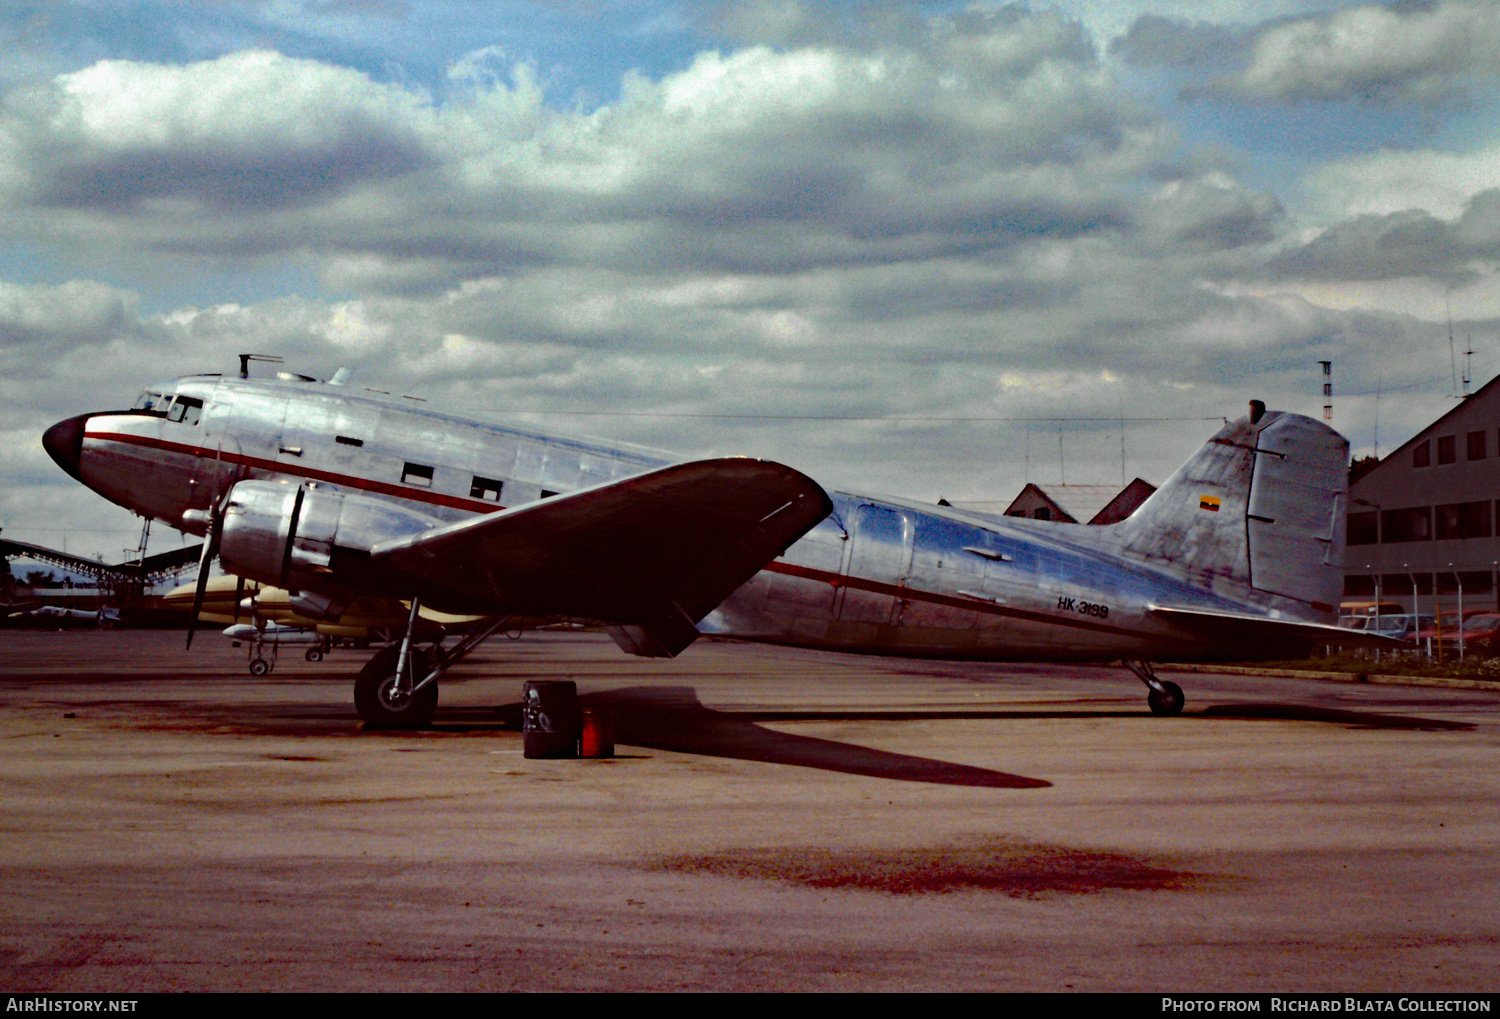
[{"x": 1263, "y": 632}]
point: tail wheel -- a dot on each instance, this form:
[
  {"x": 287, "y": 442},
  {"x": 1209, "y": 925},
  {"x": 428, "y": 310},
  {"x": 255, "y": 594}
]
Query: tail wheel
[
  {"x": 385, "y": 703},
  {"x": 1166, "y": 701}
]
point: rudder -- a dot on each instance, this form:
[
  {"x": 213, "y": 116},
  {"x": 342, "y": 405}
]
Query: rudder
[{"x": 1257, "y": 513}]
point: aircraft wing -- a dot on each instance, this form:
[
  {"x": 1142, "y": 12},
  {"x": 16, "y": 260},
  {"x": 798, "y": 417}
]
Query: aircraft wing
[
  {"x": 650, "y": 555},
  {"x": 1235, "y": 628}
]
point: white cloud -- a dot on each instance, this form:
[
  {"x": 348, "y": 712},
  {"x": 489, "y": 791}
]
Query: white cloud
[
  {"x": 997, "y": 130},
  {"x": 253, "y": 130},
  {"x": 1440, "y": 183},
  {"x": 966, "y": 218},
  {"x": 1420, "y": 54}
]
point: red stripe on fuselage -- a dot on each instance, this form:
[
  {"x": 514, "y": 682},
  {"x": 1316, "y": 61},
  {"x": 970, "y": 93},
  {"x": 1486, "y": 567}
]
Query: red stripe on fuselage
[
  {"x": 297, "y": 470},
  {"x": 932, "y": 597},
  {"x": 480, "y": 506}
]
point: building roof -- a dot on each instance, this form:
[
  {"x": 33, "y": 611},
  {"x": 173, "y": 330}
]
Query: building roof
[
  {"x": 1474, "y": 397},
  {"x": 1072, "y": 503},
  {"x": 1381, "y": 474}
]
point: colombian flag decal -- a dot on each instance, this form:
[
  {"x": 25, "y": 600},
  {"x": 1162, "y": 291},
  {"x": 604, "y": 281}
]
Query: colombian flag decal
[{"x": 1209, "y": 502}]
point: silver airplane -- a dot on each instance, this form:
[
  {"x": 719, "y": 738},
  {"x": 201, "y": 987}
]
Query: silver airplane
[{"x": 341, "y": 495}]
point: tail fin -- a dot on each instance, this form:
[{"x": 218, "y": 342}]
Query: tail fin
[{"x": 1257, "y": 514}]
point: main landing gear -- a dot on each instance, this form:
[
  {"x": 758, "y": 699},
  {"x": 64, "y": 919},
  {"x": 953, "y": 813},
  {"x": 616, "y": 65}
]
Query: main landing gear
[
  {"x": 1165, "y": 697},
  {"x": 397, "y": 689}
]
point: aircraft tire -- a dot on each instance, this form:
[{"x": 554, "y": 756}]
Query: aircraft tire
[
  {"x": 313, "y": 655},
  {"x": 259, "y": 667},
  {"x": 374, "y": 689},
  {"x": 1166, "y": 701}
]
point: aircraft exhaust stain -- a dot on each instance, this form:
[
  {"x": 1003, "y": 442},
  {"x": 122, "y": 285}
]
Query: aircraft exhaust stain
[{"x": 1016, "y": 869}]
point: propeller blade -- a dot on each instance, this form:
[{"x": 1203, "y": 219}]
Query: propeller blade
[
  {"x": 239, "y": 596},
  {"x": 210, "y": 549}
]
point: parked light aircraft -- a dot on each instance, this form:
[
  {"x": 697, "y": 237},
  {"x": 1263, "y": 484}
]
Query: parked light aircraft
[
  {"x": 228, "y": 599},
  {"x": 262, "y": 618},
  {"x": 264, "y": 643},
  {"x": 337, "y": 494},
  {"x": 58, "y": 617}
]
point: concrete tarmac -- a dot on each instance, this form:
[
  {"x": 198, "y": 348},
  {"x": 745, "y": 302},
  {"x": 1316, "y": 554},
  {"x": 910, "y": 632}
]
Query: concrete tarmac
[{"x": 775, "y": 820}]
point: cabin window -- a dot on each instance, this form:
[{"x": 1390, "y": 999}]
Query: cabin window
[
  {"x": 153, "y": 401},
  {"x": 1421, "y": 455},
  {"x": 187, "y": 409},
  {"x": 486, "y": 488},
  {"x": 417, "y": 474},
  {"x": 344, "y": 440},
  {"x": 547, "y": 494},
  {"x": 1447, "y": 449}
]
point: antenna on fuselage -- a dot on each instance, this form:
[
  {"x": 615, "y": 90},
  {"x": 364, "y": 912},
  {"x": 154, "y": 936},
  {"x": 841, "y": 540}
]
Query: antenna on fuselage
[{"x": 245, "y": 360}]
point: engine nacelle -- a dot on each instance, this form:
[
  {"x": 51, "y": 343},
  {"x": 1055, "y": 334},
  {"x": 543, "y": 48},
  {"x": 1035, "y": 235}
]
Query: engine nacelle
[{"x": 285, "y": 535}]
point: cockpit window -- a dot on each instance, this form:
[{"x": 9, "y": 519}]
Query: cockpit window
[
  {"x": 187, "y": 409},
  {"x": 153, "y": 401}
]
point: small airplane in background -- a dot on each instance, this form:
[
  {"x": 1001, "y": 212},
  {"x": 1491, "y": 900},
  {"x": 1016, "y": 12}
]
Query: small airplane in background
[
  {"x": 266, "y": 641},
  {"x": 56, "y": 617},
  {"x": 340, "y": 497},
  {"x": 263, "y": 618}
]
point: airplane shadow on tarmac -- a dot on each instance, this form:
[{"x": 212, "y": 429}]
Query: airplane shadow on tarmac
[{"x": 673, "y": 718}]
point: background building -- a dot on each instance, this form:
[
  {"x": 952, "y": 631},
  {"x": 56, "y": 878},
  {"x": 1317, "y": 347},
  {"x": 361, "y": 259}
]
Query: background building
[
  {"x": 1422, "y": 522},
  {"x": 1079, "y": 504}
]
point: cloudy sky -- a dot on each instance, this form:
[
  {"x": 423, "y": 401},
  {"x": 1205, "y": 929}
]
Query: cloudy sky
[{"x": 932, "y": 249}]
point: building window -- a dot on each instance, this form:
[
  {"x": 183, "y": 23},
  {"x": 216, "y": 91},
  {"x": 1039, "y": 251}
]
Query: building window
[
  {"x": 1447, "y": 449},
  {"x": 1413, "y": 524},
  {"x": 1476, "y": 443},
  {"x": 417, "y": 474},
  {"x": 1421, "y": 455},
  {"x": 1464, "y": 520},
  {"x": 1042, "y": 513},
  {"x": 1362, "y": 528},
  {"x": 1477, "y": 581},
  {"x": 486, "y": 488},
  {"x": 1401, "y": 584}
]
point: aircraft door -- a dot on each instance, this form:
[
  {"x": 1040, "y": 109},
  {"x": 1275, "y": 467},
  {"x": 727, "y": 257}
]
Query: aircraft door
[
  {"x": 879, "y": 561},
  {"x": 256, "y": 420},
  {"x": 309, "y": 423},
  {"x": 221, "y": 465}
]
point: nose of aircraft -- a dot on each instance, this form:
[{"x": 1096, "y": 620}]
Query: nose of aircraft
[{"x": 64, "y": 443}]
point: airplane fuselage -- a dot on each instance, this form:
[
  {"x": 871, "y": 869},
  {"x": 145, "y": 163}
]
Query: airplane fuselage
[{"x": 877, "y": 575}]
